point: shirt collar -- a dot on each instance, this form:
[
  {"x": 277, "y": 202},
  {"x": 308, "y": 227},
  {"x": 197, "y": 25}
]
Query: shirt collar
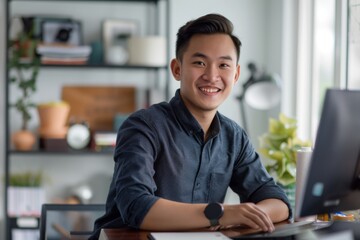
[{"x": 187, "y": 120}]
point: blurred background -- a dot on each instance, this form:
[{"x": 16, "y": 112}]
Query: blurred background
[{"x": 299, "y": 48}]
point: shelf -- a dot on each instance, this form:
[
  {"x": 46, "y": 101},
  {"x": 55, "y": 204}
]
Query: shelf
[
  {"x": 103, "y": 66},
  {"x": 146, "y": 1},
  {"x": 69, "y": 152},
  {"x": 24, "y": 222},
  {"x": 61, "y": 162}
]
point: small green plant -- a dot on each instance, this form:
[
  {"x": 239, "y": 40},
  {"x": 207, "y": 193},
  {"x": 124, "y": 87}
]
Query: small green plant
[
  {"x": 26, "y": 179},
  {"x": 279, "y": 147},
  {"x": 24, "y": 68}
]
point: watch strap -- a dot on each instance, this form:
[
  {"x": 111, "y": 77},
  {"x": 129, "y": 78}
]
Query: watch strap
[{"x": 214, "y": 222}]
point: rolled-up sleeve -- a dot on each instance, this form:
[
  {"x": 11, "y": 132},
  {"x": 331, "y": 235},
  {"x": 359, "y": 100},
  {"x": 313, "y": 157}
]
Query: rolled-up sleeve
[
  {"x": 250, "y": 179},
  {"x": 136, "y": 149}
]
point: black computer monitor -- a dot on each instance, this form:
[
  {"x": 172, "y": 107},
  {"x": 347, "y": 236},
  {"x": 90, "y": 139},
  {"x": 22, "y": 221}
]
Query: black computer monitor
[{"x": 333, "y": 178}]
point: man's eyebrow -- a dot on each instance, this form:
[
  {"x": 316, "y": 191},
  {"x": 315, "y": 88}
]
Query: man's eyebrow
[
  {"x": 201, "y": 55},
  {"x": 227, "y": 57}
]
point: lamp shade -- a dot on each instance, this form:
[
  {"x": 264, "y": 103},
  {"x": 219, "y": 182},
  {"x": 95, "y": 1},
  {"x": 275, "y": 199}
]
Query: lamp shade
[
  {"x": 263, "y": 95},
  {"x": 261, "y": 92}
]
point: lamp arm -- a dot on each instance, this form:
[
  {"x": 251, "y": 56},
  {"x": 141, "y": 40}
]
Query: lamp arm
[{"x": 242, "y": 109}]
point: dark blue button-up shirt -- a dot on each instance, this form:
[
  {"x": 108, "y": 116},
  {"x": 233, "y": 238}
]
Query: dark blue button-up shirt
[{"x": 161, "y": 152}]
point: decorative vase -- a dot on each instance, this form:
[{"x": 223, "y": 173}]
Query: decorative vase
[
  {"x": 23, "y": 140},
  {"x": 53, "y": 119},
  {"x": 117, "y": 55}
]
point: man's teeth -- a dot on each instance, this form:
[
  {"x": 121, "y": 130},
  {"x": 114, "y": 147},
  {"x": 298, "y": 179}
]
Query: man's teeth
[{"x": 209, "y": 90}]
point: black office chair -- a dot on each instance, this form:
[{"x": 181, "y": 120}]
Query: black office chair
[{"x": 68, "y": 221}]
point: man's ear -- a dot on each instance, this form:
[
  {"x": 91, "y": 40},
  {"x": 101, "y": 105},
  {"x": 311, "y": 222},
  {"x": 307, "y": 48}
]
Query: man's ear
[{"x": 175, "y": 66}]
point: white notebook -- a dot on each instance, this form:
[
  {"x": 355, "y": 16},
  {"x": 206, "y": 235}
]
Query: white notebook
[{"x": 188, "y": 236}]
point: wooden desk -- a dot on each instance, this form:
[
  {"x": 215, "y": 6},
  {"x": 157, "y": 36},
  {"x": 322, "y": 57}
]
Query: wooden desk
[
  {"x": 131, "y": 234},
  {"x": 123, "y": 234},
  {"x": 338, "y": 227}
]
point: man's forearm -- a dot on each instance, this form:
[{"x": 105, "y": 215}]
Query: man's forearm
[
  {"x": 276, "y": 209},
  {"x": 167, "y": 215}
]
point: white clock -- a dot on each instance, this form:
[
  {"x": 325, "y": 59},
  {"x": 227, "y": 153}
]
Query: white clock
[{"x": 78, "y": 136}]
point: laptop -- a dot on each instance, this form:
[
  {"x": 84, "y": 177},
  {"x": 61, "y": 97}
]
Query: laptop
[{"x": 286, "y": 231}]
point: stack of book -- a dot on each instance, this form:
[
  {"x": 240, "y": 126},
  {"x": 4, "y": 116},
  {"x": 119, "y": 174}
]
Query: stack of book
[
  {"x": 104, "y": 141},
  {"x": 28, "y": 234},
  {"x": 25, "y": 201},
  {"x": 63, "y": 54}
]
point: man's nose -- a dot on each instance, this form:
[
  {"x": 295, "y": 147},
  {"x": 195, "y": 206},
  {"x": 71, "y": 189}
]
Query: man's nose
[{"x": 211, "y": 73}]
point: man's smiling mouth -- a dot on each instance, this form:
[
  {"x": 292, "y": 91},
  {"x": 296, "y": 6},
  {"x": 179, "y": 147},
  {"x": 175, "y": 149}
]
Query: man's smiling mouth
[{"x": 210, "y": 90}]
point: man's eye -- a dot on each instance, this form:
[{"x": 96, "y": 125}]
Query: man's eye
[
  {"x": 199, "y": 63},
  {"x": 224, "y": 65}
]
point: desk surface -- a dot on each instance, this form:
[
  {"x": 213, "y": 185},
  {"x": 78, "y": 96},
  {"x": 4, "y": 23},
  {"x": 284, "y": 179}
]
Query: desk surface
[
  {"x": 131, "y": 234},
  {"x": 122, "y": 234}
]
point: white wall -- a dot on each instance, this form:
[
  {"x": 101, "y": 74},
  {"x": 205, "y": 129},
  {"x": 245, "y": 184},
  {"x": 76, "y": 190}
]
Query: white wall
[{"x": 258, "y": 23}]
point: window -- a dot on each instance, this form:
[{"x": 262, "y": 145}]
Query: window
[
  {"x": 321, "y": 58},
  {"x": 354, "y": 45}
]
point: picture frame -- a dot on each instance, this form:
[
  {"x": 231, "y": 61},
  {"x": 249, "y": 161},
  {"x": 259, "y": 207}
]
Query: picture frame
[
  {"x": 115, "y": 32},
  {"x": 61, "y": 31}
]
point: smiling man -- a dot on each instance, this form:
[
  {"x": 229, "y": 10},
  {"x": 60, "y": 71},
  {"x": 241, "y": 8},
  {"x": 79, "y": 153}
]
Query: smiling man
[{"x": 174, "y": 161}]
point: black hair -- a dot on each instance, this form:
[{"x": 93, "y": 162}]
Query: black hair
[{"x": 207, "y": 24}]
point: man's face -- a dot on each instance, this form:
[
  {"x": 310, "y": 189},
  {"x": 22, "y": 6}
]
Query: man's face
[{"x": 207, "y": 73}]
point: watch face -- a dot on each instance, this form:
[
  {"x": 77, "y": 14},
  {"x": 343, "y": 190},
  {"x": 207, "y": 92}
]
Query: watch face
[
  {"x": 78, "y": 136},
  {"x": 214, "y": 211}
]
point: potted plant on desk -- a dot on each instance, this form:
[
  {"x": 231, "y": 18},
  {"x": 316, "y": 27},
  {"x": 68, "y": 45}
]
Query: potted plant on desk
[
  {"x": 24, "y": 68},
  {"x": 279, "y": 147}
]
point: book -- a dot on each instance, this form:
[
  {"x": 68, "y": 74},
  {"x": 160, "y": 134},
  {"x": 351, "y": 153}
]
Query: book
[
  {"x": 25, "y": 201},
  {"x": 105, "y": 138},
  {"x": 52, "y": 50},
  {"x": 62, "y": 54},
  {"x": 104, "y": 141},
  {"x": 64, "y": 60}
]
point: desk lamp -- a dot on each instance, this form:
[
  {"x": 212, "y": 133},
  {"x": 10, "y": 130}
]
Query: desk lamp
[{"x": 260, "y": 91}]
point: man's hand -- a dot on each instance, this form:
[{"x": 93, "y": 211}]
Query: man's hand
[{"x": 248, "y": 214}]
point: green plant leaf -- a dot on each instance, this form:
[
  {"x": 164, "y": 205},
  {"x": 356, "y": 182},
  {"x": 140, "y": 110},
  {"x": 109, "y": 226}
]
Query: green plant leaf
[
  {"x": 275, "y": 126},
  {"x": 287, "y": 120},
  {"x": 276, "y": 155},
  {"x": 24, "y": 73},
  {"x": 279, "y": 145},
  {"x": 286, "y": 179},
  {"x": 26, "y": 179},
  {"x": 280, "y": 168},
  {"x": 291, "y": 169}
]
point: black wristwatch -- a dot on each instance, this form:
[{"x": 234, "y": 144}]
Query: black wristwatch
[{"x": 214, "y": 212}]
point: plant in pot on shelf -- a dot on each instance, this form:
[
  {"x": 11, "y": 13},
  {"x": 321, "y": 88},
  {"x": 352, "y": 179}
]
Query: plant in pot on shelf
[
  {"x": 279, "y": 148},
  {"x": 24, "y": 68},
  {"x": 53, "y": 118}
]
